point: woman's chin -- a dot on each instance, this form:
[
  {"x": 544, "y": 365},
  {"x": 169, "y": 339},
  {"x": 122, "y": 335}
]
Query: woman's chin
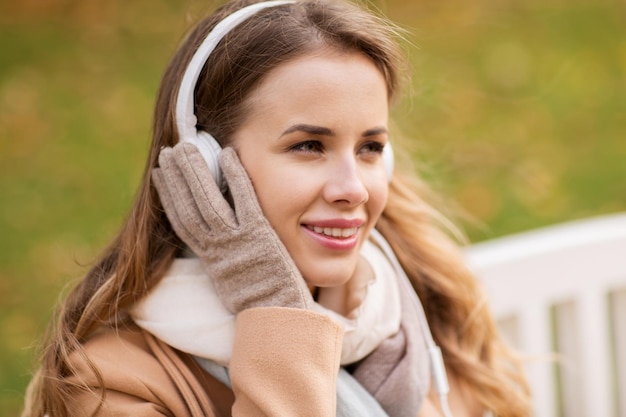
[{"x": 328, "y": 280}]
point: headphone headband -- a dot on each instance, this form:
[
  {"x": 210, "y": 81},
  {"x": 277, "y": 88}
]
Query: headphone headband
[{"x": 185, "y": 117}]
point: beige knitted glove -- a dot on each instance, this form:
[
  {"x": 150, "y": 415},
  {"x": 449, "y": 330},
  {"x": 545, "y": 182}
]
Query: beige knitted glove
[{"x": 249, "y": 265}]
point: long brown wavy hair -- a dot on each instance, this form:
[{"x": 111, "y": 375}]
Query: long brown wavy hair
[{"x": 146, "y": 245}]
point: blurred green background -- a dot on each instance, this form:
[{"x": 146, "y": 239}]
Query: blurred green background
[{"x": 518, "y": 114}]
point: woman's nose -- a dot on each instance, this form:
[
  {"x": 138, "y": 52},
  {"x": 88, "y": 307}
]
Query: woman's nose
[{"x": 345, "y": 183}]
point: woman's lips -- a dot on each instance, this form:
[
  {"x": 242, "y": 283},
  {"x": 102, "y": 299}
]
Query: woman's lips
[
  {"x": 334, "y": 231},
  {"x": 335, "y": 234}
]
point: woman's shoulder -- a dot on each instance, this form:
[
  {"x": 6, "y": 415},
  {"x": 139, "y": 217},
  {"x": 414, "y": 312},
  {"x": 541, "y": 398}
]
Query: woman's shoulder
[
  {"x": 116, "y": 356},
  {"x": 116, "y": 345},
  {"x": 131, "y": 369}
]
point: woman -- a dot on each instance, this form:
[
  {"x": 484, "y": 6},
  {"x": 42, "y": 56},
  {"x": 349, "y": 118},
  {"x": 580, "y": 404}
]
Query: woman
[{"x": 275, "y": 290}]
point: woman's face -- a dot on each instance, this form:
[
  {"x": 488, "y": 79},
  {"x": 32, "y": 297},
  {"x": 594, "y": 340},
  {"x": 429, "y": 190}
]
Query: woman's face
[{"x": 312, "y": 144}]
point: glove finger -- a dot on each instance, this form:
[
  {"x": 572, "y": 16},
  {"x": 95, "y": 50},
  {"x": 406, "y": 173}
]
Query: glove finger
[
  {"x": 183, "y": 211},
  {"x": 212, "y": 204},
  {"x": 186, "y": 206},
  {"x": 170, "y": 209},
  {"x": 245, "y": 199}
]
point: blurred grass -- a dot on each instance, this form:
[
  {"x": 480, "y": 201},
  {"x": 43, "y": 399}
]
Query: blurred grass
[{"x": 519, "y": 115}]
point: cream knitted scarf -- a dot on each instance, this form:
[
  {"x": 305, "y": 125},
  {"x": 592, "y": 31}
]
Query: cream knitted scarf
[{"x": 185, "y": 312}]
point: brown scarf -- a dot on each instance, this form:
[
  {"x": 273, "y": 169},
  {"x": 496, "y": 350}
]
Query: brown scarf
[{"x": 397, "y": 373}]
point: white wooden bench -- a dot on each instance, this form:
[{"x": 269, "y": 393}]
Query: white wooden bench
[{"x": 562, "y": 289}]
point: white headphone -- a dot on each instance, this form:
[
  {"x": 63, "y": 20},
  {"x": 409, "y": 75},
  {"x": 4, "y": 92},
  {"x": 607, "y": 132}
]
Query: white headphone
[{"x": 186, "y": 119}]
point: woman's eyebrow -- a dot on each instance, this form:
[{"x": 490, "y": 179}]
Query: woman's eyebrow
[
  {"x": 311, "y": 129},
  {"x": 375, "y": 131},
  {"x": 324, "y": 131}
]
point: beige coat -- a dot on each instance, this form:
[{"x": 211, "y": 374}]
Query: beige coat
[{"x": 284, "y": 363}]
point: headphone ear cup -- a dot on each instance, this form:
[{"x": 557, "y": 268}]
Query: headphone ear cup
[
  {"x": 210, "y": 149},
  {"x": 388, "y": 160}
]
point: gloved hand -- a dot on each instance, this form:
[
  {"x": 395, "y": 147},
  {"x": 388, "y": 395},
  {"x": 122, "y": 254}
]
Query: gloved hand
[{"x": 249, "y": 265}]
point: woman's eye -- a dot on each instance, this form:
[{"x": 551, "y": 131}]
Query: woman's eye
[
  {"x": 372, "y": 147},
  {"x": 309, "y": 146}
]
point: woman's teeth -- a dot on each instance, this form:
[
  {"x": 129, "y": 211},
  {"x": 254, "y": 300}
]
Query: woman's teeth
[{"x": 334, "y": 231}]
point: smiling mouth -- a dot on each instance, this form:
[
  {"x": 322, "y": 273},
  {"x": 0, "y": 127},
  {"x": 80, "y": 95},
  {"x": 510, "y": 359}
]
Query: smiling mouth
[{"x": 336, "y": 232}]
